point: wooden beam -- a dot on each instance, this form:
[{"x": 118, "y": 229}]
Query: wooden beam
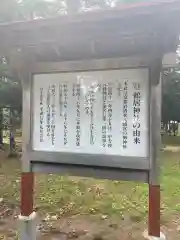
[
  {"x": 127, "y": 30},
  {"x": 123, "y": 12}
]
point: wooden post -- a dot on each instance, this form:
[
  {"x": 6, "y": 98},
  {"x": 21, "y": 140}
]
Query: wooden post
[
  {"x": 1, "y": 126},
  {"x": 27, "y": 185},
  {"x": 27, "y": 217},
  {"x": 154, "y": 210}
]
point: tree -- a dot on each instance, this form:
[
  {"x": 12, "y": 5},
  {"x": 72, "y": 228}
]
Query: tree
[
  {"x": 96, "y": 3},
  {"x": 11, "y": 97},
  {"x": 171, "y": 96},
  {"x": 15, "y": 10},
  {"x": 33, "y": 9}
]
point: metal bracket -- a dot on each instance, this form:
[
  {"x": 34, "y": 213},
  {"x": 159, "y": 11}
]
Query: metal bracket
[
  {"x": 28, "y": 226},
  {"x": 146, "y": 236}
]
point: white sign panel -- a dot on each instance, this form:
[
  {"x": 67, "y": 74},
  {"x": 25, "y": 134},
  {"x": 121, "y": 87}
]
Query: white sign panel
[{"x": 95, "y": 112}]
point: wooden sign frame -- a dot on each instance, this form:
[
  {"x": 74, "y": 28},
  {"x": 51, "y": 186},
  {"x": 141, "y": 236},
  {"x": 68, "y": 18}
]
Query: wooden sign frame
[{"x": 121, "y": 168}]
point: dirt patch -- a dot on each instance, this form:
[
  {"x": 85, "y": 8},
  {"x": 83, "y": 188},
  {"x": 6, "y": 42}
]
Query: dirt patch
[
  {"x": 88, "y": 209},
  {"x": 174, "y": 149},
  {"x": 86, "y": 228}
]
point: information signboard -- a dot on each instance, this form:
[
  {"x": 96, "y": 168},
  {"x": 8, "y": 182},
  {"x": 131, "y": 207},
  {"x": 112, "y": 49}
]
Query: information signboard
[
  {"x": 92, "y": 112},
  {"x": 97, "y": 118}
]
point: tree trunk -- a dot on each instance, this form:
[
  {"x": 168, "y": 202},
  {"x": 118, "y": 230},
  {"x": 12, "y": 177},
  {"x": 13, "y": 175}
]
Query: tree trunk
[
  {"x": 12, "y": 145},
  {"x": 1, "y": 127}
]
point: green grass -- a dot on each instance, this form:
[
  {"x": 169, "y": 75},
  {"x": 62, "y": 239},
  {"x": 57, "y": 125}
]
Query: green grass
[
  {"x": 171, "y": 140},
  {"x": 71, "y": 195},
  {"x": 88, "y": 196}
]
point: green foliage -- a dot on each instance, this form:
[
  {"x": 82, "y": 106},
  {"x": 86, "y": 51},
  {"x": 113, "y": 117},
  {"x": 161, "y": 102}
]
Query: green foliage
[
  {"x": 96, "y": 3},
  {"x": 171, "y": 96},
  {"x": 13, "y": 10},
  {"x": 10, "y": 93},
  {"x": 32, "y": 9}
]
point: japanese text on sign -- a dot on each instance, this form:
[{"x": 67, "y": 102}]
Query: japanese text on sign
[{"x": 100, "y": 112}]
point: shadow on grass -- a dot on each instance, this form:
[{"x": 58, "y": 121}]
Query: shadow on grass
[{"x": 171, "y": 140}]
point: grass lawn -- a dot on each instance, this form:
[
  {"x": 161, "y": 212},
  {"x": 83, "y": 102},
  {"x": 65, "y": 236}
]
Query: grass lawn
[
  {"x": 109, "y": 204},
  {"x": 171, "y": 140}
]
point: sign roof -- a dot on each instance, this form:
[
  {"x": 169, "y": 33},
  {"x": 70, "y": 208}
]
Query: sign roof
[{"x": 126, "y": 30}]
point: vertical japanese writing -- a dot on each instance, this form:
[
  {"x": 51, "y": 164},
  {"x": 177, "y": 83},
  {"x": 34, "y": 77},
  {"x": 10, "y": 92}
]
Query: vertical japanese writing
[
  {"x": 89, "y": 101},
  {"x": 136, "y": 113},
  {"x": 60, "y": 100},
  {"x": 78, "y": 123},
  {"x": 48, "y": 112},
  {"x": 104, "y": 115},
  {"x": 109, "y": 127},
  {"x": 92, "y": 127},
  {"x": 53, "y": 114},
  {"x": 91, "y": 112},
  {"x": 125, "y": 114},
  {"x": 41, "y": 116},
  {"x": 65, "y": 92},
  {"x": 86, "y": 103},
  {"x": 74, "y": 90}
]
